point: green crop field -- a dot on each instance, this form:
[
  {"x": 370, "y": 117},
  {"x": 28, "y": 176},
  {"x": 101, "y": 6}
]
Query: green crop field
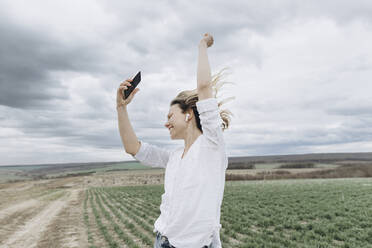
[{"x": 277, "y": 213}]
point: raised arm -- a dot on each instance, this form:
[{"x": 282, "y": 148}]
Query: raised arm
[
  {"x": 128, "y": 137},
  {"x": 207, "y": 105},
  {"x": 204, "y": 78},
  {"x": 146, "y": 153}
]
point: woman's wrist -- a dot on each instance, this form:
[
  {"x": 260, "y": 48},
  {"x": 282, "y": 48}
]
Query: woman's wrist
[
  {"x": 203, "y": 44},
  {"x": 120, "y": 107}
]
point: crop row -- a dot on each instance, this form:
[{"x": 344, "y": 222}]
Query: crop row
[{"x": 296, "y": 213}]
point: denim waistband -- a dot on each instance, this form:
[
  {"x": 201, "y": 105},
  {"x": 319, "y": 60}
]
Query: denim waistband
[{"x": 165, "y": 238}]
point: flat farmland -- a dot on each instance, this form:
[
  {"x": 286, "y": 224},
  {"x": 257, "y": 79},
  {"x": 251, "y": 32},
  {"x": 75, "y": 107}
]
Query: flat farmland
[
  {"x": 118, "y": 209},
  {"x": 282, "y": 213}
]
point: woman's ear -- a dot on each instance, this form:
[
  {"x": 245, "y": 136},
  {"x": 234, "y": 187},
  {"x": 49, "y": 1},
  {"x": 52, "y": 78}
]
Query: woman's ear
[{"x": 189, "y": 115}]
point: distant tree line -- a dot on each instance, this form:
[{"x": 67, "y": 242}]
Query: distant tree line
[
  {"x": 297, "y": 165},
  {"x": 241, "y": 165}
]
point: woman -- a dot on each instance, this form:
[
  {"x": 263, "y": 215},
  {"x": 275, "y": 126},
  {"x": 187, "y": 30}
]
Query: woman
[{"x": 195, "y": 174}]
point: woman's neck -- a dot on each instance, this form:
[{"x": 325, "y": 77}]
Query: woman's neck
[{"x": 190, "y": 139}]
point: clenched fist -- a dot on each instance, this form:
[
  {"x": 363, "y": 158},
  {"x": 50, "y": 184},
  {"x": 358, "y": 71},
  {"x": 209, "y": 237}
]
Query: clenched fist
[{"x": 208, "y": 39}]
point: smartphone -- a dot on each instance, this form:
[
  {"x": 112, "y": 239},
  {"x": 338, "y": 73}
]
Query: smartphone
[{"x": 134, "y": 84}]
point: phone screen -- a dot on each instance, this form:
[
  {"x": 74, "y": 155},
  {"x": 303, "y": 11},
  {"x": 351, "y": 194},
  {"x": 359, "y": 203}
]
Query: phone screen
[{"x": 134, "y": 83}]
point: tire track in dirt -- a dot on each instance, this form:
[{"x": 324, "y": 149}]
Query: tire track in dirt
[
  {"x": 18, "y": 208},
  {"x": 28, "y": 234},
  {"x": 67, "y": 228},
  {"x": 12, "y": 218},
  {"x": 11, "y": 223},
  {"x": 24, "y": 205}
]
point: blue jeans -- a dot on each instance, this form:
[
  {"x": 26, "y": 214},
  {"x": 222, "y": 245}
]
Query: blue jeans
[{"x": 163, "y": 242}]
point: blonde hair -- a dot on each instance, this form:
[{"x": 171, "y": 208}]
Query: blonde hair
[{"x": 187, "y": 100}]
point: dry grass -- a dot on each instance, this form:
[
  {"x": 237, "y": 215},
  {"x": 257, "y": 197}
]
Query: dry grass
[{"x": 344, "y": 171}]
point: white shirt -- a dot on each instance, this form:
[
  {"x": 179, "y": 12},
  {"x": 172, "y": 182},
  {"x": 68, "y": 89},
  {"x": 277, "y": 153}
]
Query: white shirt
[{"x": 194, "y": 185}]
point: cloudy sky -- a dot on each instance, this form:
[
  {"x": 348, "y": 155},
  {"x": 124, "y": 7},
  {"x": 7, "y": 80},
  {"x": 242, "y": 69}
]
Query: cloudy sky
[{"x": 301, "y": 70}]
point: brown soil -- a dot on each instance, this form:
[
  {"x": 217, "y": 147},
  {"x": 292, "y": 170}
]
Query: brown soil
[{"x": 50, "y": 213}]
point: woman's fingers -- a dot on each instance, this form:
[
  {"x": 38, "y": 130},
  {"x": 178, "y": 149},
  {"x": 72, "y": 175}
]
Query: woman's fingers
[
  {"x": 120, "y": 93},
  {"x": 208, "y": 38},
  {"x": 123, "y": 87},
  {"x": 125, "y": 83}
]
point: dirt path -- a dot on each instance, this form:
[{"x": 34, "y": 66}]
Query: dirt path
[
  {"x": 12, "y": 222},
  {"x": 50, "y": 213},
  {"x": 18, "y": 208},
  {"x": 67, "y": 228},
  {"x": 28, "y": 234}
]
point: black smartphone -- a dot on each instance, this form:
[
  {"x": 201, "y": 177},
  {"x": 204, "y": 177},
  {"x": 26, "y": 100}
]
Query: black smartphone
[{"x": 134, "y": 84}]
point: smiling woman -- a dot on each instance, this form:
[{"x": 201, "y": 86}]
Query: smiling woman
[
  {"x": 186, "y": 101},
  {"x": 196, "y": 170}
]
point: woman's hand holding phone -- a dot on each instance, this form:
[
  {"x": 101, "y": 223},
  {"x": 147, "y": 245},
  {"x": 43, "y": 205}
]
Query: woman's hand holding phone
[{"x": 120, "y": 101}]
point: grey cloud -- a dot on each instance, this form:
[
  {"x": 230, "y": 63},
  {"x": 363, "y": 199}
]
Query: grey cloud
[
  {"x": 301, "y": 137},
  {"x": 162, "y": 39},
  {"x": 28, "y": 60},
  {"x": 351, "y": 111}
]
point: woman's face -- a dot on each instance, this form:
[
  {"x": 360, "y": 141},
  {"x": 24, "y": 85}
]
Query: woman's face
[{"x": 176, "y": 123}]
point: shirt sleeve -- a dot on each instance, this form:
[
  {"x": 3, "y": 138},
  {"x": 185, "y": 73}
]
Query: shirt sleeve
[
  {"x": 152, "y": 155},
  {"x": 210, "y": 120}
]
